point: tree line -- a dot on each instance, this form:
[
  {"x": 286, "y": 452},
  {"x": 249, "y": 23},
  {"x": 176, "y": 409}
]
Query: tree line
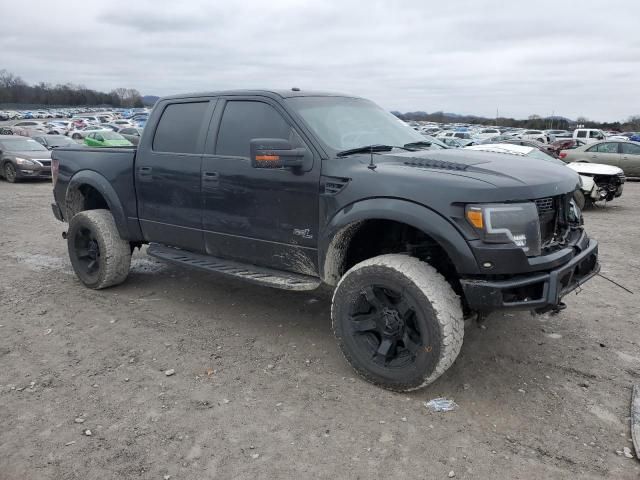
[
  {"x": 632, "y": 124},
  {"x": 14, "y": 90}
]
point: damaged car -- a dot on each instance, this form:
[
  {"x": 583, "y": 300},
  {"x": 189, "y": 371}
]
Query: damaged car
[{"x": 597, "y": 182}]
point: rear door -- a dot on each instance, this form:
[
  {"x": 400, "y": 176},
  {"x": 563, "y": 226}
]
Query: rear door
[
  {"x": 630, "y": 159},
  {"x": 168, "y": 170},
  {"x": 263, "y": 216}
]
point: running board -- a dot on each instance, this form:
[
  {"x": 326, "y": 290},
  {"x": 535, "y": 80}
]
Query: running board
[{"x": 260, "y": 275}]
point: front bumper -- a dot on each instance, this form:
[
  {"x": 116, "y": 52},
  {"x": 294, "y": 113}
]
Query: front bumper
[
  {"x": 35, "y": 172},
  {"x": 538, "y": 291}
]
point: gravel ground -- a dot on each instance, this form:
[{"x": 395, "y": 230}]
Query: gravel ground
[{"x": 260, "y": 389}]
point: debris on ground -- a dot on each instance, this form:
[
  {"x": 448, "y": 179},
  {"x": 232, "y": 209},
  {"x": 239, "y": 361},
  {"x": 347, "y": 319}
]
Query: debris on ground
[
  {"x": 68, "y": 444},
  {"x": 87, "y": 432},
  {"x": 169, "y": 372},
  {"x": 441, "y": 405},
  {"x": 79, "y": 420},
  {"x": 451, "y": 474},
  {"x": 255, "y": 456}
]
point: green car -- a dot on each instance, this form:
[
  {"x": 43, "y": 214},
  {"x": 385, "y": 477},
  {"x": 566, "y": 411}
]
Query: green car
[{"x": 106, "y": 138}]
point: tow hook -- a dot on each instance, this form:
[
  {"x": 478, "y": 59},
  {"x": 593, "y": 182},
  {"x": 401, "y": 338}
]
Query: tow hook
[
  {"x": 558, "y": 308},
  {"x": 64, "y": 235}
]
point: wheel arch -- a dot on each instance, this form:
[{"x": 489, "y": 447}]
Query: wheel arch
[
  {"x": 344, "y": 226},
  {"x": 88, "y": 190}
]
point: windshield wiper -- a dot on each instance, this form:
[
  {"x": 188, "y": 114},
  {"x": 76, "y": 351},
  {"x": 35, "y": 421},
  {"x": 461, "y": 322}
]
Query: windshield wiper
[{"x": 370, "y": 148}]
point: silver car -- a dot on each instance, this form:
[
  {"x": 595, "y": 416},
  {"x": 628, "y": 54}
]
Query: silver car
[{"x": 625, "y": 155}]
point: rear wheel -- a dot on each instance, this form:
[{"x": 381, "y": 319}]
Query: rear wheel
[
  {"x": 397, "y": 321},
  {"x": 76, "y": 136},
  {"x": 10, "y": 173},
  {"x": 98, "y": 255}
]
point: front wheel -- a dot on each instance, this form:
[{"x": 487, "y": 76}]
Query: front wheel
[
  {"x": 579, "y": 198},
  {"x": 98, "y": 255},
  {"x": 398, "y": 322},
  {"x": 10, "y": 173}
]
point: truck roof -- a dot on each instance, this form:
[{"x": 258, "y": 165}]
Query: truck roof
[{"x": 270, "y": 93}]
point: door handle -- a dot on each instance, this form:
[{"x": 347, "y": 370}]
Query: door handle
[
  {"x": 210, "y": 176},
  {"x": 144, "y": 171}
]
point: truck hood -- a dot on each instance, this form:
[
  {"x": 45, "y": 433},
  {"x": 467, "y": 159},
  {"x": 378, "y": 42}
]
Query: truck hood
[
  {"x": 443, "y": 180},
  {"x": 509, "y": 173},
  {"x": 584, "y": 168}
]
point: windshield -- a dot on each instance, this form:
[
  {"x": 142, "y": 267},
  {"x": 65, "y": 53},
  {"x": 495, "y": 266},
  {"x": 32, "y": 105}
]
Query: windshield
[
  {"x": 21, "y": 145},
  {"x": 345, "y": 123}
]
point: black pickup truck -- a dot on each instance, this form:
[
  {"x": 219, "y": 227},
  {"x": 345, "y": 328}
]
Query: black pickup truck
[{"x": 294, "y": 189}]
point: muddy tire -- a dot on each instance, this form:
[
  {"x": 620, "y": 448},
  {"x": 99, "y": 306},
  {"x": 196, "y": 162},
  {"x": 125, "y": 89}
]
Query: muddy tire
[
  {"x": 579, "y": 198},
  {"x": 100, "y": 258},
  {"x": 398, "y": 322}
]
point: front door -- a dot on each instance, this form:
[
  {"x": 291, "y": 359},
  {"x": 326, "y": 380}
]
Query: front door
[
  {"x": 606, "y": 152},
  {"x": 168, "y": 175},
  {"x": 267, "y": 217}
]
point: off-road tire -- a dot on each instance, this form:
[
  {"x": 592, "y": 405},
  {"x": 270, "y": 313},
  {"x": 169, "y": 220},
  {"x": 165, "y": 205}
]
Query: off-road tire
[
  {"x": 579, "y": 198},
  {"x": 114, "y": 257},
  {"x": 438, "y": 313}
]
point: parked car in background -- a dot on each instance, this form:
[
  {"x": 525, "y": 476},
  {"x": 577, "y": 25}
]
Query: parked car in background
[
  {"x": 588, "y": 135},
  {"x": 54, "y": 141},
  {"x": 80, "y": 133},
  {"x": 565, "y": 144},
  {"x": 597, "y": 182},
  {"x": 487, "y": 133},
  {"x": 58, "y": 127},
  {"x": 22, "y": 157},
  {"x": 558, "y": 134},
  {"x": 29, "y": 127},
  {"x": 132, "y": 134},
  {"x": 537, "y": 135},
  {"x": 625, "y": 155},
  {"x": 106, "y": 139}
]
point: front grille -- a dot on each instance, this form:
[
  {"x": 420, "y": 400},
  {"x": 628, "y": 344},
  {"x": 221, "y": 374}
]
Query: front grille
[{"x": 544, "y": 205}]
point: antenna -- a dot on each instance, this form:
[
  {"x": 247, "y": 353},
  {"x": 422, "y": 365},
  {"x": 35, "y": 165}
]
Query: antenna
[{"x": 371, "y": 166}]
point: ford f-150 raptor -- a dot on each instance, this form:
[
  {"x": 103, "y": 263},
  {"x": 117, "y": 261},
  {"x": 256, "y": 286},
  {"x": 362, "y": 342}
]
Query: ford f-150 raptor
[{"x": 295, "y": 189}]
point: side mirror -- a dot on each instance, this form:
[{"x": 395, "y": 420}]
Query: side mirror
[{"x": 275, "y": 153}]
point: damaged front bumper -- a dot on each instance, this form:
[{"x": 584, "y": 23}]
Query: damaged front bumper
[{"x": 536, "y": 291}]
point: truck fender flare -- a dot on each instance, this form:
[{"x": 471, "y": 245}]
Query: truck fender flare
[
  {"x": 102, "y": 186},
  {"x": 344, "y": 224}
]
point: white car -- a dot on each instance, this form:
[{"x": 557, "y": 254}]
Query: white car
[
  {"x": 487, "y": 133},
  {"x": 82, "y": 132},
  {"x": 597, "y": 181},
  {"x": 537, "y": 135}
]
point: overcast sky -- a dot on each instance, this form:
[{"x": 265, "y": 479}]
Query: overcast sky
[{"x": 569, "y": 57}]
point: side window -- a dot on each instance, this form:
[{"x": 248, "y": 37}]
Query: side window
[
  {"x": 243, "y": 121},
  {"x": 179, "y": 127},
  {"x": 630, "y": 149},
  {"x": 594, "y": 134},
  {"x": 609, "y": 147},
  {"x": 582, "y": 134}
]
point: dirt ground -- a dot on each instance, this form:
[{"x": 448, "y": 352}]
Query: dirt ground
[{"x": 260, "y": 389}]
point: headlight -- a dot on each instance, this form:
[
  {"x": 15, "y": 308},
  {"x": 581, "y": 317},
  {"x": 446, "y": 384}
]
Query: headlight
[
  {"x": 575, "y": 214},
  {"x": 24, "y": 161},
  {"x": 515, "y": 223}
]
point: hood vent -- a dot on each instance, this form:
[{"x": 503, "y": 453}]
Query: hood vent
[
  {"x": 333, "y": 185},
  {"x": 429, "y": 163}
]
